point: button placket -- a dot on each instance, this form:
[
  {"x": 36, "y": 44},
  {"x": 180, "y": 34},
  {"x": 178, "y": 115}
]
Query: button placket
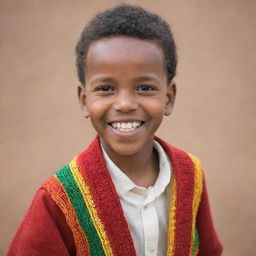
[{"x": 150, "y": 228}]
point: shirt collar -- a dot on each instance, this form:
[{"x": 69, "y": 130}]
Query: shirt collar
[
  {"x": 123, "y": 183},
  {"x": 164, "y": 175}
]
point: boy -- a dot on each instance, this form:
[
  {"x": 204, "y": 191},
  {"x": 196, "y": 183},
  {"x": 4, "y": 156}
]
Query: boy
[{"x": 129, "y": 192}]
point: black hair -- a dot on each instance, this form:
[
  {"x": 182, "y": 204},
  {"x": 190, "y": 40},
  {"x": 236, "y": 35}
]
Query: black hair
[{"x": 130, "y": 21}]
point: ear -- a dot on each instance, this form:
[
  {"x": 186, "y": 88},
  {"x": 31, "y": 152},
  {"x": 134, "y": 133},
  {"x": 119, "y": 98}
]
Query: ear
[
  {"x": 82, "y": 100},
  {"x": 170, "y": 98}
]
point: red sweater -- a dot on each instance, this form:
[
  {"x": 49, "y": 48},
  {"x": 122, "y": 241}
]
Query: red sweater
[{"x": 77, "y": 212}]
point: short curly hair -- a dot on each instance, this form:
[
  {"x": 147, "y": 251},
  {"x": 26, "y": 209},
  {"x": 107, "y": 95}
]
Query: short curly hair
[{"x": 130, "y": 21}]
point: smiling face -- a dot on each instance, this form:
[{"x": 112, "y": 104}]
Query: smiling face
[{"x": 126, "y": 93}]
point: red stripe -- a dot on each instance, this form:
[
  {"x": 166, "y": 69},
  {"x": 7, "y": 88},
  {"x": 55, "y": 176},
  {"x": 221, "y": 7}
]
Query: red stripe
[
  {"x": 183, "y": 170},
  {"x": 97, "y": 177}
]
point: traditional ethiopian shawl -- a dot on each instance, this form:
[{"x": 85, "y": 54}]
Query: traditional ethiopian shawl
[{"x": 85, "y": 193}]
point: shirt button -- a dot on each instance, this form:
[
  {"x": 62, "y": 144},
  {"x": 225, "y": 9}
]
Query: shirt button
[
  {"x": 152, "y": 249},
  {"x": 145, "y": 207}
]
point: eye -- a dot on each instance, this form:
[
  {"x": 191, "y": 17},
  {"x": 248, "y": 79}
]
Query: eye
[
  {"x": 144, "y": 88},
  {"x": 104, "y": 88}
]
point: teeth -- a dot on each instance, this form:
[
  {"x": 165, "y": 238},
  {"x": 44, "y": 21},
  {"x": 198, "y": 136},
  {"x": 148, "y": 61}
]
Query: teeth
[{"x": 126, "y": 127}]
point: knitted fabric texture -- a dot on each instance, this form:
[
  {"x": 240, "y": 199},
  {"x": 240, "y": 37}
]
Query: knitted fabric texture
[{"x": 85, "y": 193}]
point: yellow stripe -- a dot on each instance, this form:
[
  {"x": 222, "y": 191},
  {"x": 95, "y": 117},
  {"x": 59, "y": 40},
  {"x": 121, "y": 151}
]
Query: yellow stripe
[
  {"x": 91, "y": 207},
  {"x": 171, "y": 228},
  {"x": 198, "y": 185}
]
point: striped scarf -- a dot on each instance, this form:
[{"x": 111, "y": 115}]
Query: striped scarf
[{"x": 85, "y": 193}]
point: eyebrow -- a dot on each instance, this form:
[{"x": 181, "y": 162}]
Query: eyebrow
[
  {"x": 143, "y": 78},
  {"x": 103, "y": 79},
  {"x": 146, "y": 78}
]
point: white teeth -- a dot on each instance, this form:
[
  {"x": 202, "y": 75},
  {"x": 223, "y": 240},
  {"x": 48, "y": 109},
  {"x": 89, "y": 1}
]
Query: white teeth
[
  {"x": 126, "y": 127},
  {"x": 129, "y": 125}
]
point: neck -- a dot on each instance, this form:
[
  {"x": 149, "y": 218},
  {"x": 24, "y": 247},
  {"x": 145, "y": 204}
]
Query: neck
[{"x": 142, "y": 167}]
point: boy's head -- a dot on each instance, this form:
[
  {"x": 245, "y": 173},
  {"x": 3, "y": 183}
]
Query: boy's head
[
  {"x": 130, "y": 21},
  {"x": 126, "y": 58}
]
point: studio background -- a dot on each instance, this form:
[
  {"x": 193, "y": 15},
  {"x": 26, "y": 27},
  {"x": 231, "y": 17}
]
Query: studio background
[{"x": 214, "y": 116}]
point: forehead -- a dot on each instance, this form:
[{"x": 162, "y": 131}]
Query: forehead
[{"x": 125, "y": 53}]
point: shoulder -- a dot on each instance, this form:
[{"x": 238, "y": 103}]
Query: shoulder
[
  {"x": 56, "y": 186},
  {"x": 44, "y": 217}
]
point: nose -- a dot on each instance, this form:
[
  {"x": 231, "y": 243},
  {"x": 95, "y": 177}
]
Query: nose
[{"x": 125, "y": 101}]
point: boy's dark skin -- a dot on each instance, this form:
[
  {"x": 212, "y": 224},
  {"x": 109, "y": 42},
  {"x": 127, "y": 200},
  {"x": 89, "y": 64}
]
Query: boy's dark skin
[
  {"x": 126, "y": 62},
  {"x": 126, "y": 81}
]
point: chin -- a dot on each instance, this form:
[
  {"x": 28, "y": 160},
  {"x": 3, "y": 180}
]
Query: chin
[
  {"x": 125, "y": 146},
  {"x": 125, "y": 150}
]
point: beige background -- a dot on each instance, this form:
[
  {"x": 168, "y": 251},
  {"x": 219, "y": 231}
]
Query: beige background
[{"x": 214, "y": 116}]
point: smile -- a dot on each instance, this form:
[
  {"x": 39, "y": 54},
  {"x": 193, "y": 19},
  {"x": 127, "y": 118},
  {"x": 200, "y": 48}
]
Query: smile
[{"x": 126, "y": 126}]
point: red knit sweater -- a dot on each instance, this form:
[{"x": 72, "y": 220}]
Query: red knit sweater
[{"x": 77, "y": 212}]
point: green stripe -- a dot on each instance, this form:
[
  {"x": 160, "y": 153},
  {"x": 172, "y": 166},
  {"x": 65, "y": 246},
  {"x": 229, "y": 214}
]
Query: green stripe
[
  {"x": 66, "y": 178},
  {"x": 196, "y": 243}
]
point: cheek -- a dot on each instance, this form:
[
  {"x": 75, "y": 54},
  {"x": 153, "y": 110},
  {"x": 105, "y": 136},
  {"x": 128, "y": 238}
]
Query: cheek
[
  {"x": 155, "y": 107},
  {"x": 97, "y": 112},
  {"x": 96, "y": 108}
]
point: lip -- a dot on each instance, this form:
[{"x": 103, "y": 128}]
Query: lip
[{"x": 124, "y": 120}]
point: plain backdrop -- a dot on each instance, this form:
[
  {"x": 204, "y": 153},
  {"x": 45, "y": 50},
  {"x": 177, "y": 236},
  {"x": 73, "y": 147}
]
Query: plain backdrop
[{"x": 214, "y": 115}]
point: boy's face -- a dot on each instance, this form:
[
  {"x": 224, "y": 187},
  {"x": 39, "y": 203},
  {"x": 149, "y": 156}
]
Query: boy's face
[{"x": 126, "y": 93}]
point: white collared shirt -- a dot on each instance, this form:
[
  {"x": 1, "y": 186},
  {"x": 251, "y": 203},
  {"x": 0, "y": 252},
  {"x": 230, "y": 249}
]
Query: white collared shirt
[{"x": 145, "y": 209}]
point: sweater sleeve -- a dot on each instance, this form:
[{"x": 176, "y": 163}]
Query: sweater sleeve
[
  {"x": 43, "y": 231},
  {"x": 209, "y": 243}
]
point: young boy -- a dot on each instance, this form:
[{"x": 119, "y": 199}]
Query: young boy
[{"x": 129, "y": 192}]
